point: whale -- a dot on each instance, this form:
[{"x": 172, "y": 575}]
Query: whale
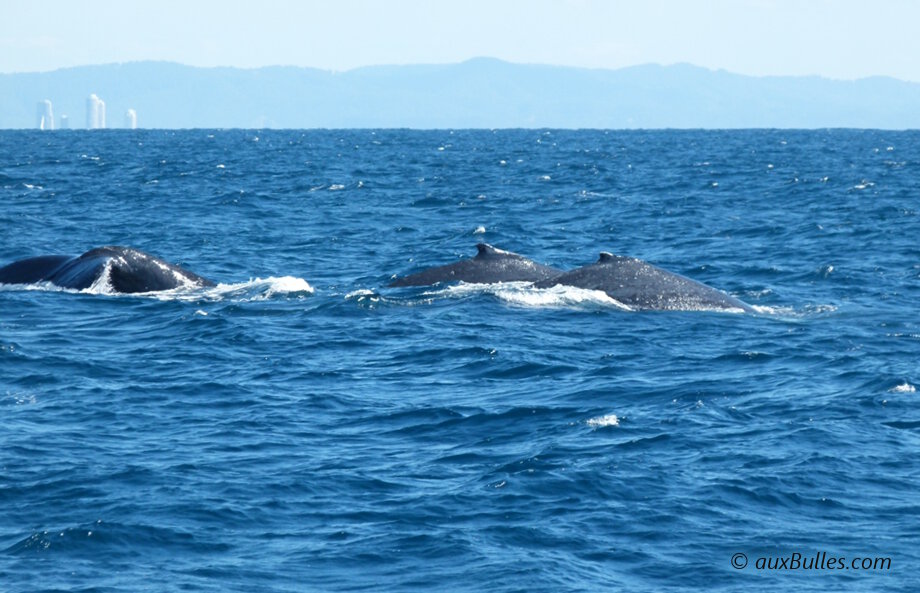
[
  {"x": 118, "y": 269},
  {"x": 640, "y": 286},
  {"x": 490, "y": 265}
]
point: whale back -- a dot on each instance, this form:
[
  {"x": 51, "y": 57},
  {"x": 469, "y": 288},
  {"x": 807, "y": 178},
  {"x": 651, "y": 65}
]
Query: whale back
[
  {"x": 641, "y": 286},
  {"x": 32, "y": 270},
  {"x": 488, "y": 266},
  {"x": 125, "y": 270}
]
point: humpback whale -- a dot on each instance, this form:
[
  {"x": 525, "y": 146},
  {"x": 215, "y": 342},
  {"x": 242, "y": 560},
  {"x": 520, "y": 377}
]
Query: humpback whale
[
  {"x": 123, "y": 269},
  {"x": 644, "y": 287},
  {"x": 490, "y": 265}
]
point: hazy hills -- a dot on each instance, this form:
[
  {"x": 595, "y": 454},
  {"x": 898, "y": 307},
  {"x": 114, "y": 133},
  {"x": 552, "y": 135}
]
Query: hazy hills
[{"x": 479, "y": 93}]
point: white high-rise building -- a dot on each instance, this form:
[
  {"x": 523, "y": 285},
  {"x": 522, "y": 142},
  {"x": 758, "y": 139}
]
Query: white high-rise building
[
  {"x": 95, "y": 113},
  {"x": 65, "y": 122},
  {"x": 44, "y": 115},
  {"x": 92, "y": 114},
  {"x": 131, "y": 119}
]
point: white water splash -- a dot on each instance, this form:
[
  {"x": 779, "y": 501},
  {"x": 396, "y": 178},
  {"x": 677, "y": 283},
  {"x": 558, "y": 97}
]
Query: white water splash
[
  {"x": 252, "y": 290},
  {"x": 903, "y": 388},
  {"x": 259, "y": 289},
  {"x": 287, "y": 285},
  {"x": 362, "y": 292},
  {"x": 37, "y": 286},
  {"x": 464, "y": 289},
  {"x": 363, "y": 295},
  {"x": 526, "y": 295},
  {"x": 602, "y": 421}
]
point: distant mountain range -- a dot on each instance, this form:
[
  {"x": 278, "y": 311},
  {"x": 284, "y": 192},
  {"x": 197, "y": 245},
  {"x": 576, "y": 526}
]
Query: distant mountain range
[{"x": 479, "y": 93}]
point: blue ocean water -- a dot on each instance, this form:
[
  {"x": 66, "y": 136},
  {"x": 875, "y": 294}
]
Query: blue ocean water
[{"x": 302, "y": 427}]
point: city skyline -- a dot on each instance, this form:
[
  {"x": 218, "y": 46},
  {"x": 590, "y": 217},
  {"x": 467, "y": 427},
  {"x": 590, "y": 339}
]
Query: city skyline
[{"x": 95, "y": 116}]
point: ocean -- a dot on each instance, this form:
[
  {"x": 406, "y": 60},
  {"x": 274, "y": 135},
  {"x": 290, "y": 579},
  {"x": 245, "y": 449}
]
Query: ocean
[{"x": 303, "y": 427}]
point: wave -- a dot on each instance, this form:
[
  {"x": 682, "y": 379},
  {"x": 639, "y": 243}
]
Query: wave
[{"x": 112, "y": 539}]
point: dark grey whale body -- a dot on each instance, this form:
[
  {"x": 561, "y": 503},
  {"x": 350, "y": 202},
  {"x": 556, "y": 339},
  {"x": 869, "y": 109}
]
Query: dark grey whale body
[
  {"x": 644, "y": 287},
  {"x": 490, "y": 265},
  {"x": 128, "y": 271}
]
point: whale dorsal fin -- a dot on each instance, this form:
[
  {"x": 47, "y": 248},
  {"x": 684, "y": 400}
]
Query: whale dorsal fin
[
  {"x": 485, "y": 250},
  {"x": 606, "y": 256}
]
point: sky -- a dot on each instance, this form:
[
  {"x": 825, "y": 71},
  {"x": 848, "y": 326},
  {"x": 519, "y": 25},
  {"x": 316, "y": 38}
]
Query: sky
[{"x": 841, "y": 39}]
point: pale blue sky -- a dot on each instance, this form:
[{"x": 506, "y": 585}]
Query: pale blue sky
[{"x": 843, "y": 39}]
